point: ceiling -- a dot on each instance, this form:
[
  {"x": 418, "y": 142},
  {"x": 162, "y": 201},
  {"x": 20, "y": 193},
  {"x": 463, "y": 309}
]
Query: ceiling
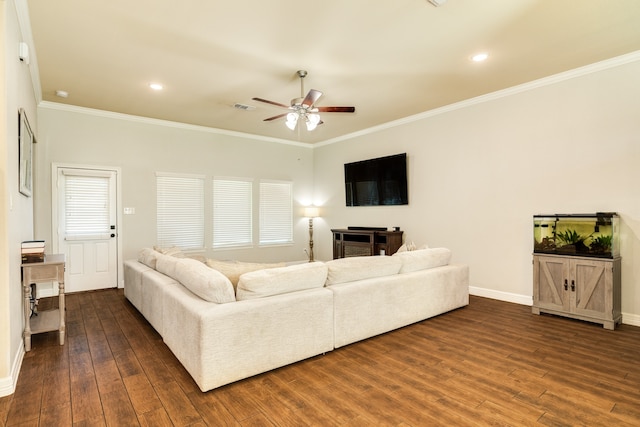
[{"x": 389, "y": 58}]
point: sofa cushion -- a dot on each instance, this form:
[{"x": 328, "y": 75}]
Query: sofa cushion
[
  {"x": 148, "y": 257},
  {"x": 422, "y": 259},
  {"x": 172, "y": 251},
  {"x": 167, "y": 265},
  {"x": 281, "y": 280},
  {"x": 205, "y": 282},
  {"x": 350, "y": 269},
  {"x": 234, "y": 269}
]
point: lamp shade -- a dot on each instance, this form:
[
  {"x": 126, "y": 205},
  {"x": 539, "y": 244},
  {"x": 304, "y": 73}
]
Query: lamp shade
[{"x": 311, "y": 212}]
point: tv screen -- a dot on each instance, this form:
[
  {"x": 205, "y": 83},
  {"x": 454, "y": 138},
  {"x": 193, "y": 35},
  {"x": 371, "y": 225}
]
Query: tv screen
[{"x": 377, "y": 182}]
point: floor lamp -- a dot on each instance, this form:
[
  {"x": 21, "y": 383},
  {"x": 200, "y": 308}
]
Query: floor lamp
[{"x": 311, "y": 212}]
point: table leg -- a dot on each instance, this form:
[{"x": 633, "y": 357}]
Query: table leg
[
  {"x": 61, "y": 307},
  {"x": 26, "y": 290}
]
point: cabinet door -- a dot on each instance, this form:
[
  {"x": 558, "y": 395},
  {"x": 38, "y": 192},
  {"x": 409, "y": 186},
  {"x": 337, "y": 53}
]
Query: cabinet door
[
  {"x": 592, "y": 295},
  {"x": 551, "y": 283}
]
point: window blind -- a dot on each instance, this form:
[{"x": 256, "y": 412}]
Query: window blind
[
  {"x": 232, "y": 212},
  {"x": 86, "y": 207},
  {"x": 180, "y": 211},
  {"x": 276, "y": 212}
]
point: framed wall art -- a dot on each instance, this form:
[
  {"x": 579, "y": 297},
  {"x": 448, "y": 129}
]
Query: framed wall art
[{"x": 25, "y": 135}]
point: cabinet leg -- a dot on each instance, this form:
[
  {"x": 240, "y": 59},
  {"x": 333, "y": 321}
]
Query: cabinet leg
[
  {"x": 27, "y": 342},
  {"x": 609, "y": 325}
]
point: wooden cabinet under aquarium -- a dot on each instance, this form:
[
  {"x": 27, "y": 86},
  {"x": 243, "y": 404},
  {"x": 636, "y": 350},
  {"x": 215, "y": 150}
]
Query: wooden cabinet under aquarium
[{"x": 582, "y": 288}]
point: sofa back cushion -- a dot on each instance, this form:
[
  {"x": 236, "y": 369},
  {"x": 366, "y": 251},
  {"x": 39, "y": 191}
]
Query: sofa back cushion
[
  {"x": 205, "y": 282},
  {"x": 234, "y": 269},
  {"x": 167, "y": 265},
  {"x": 423, "y": 259},
  {"x": 350, "y": 269},
  {"x": 281, "y": 280}
]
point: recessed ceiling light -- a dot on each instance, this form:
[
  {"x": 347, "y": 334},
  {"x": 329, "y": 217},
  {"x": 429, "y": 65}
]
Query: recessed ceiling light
[
  {"x": 62, "y": 93},
  {"x": 479, "y": 57},
  {"x": 155, "y": 86}
]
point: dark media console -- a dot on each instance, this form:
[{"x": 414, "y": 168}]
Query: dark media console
[{"x": 365, "y": 241}]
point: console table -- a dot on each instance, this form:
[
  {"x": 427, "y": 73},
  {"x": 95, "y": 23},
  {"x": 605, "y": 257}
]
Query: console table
[
  {"x": 362, "y": 241},
  {"x": 50, "y": 270}
]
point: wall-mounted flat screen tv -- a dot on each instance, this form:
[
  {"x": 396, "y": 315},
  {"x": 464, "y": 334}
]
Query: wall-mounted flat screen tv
[{"x": 377, "y": 182}]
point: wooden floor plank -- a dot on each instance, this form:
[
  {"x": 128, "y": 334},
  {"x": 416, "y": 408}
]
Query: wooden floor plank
[
  {"x": 491, "y": 363},
  {"x": 178, "y": 406},
  {"x": 86, "y": 400}
]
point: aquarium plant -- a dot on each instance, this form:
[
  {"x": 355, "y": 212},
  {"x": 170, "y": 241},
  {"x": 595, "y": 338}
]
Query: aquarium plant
[
  {"x": 571, "y": 239},
  {"x": 601, "y": 244}
]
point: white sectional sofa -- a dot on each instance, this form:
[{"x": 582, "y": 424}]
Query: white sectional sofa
[{"x": 223, "y": 333}]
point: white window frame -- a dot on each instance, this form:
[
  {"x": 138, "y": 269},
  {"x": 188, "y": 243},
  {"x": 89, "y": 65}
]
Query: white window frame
[{"x": 180, "y": 211}]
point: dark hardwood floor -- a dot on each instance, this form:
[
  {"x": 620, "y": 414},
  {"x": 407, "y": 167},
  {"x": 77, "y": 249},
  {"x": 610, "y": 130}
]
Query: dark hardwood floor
[{"x": 491, "y": 363}]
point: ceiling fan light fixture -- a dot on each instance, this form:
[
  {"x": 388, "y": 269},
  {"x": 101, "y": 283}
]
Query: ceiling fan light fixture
[
  {"x": 303, "y": 108},
  {"x": 313, "y": 120},
  {"x": 292, "y": 120}
]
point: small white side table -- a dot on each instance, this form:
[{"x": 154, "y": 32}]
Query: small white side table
[{"x": 50, "y": 270}]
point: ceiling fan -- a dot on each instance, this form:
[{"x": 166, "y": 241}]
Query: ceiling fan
[{"x": 304, "y": 108}]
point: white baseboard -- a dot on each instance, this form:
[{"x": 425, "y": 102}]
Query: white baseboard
[
  {"x": 627, "y": 318},
  {"x": 631, "y": 319},
  {"x": 8, "y": 384},
  {"x": 501, "y": 296}
]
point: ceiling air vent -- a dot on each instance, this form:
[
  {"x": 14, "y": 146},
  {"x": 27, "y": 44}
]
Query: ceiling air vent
[
  {"x": 243, "y": 106},
  {"x": 437, "y": 3}
]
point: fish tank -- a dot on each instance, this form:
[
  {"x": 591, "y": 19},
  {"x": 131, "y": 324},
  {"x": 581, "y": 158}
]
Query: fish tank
[{"x": 590, "y": 235}]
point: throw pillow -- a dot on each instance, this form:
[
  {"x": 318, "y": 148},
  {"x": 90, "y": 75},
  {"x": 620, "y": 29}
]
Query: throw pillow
[
  {"x": 148, "y": 257},
  {"x": 234, "y": 269},
  {"x": 281, "y": 280},
  {"x": 350, "y": 269},
  {"x": 410, "y": 246},
  {"x": 171, "y": 251}
]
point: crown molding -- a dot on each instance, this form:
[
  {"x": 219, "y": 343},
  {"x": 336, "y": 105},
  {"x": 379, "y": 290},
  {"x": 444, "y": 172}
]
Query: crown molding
[
  {"x": 535, "y": 84},
  {"x": 48, "y": 105}
]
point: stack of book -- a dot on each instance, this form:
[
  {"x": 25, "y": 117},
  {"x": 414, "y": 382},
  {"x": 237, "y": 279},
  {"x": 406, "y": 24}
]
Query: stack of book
[{"x": 33, "y": 251}]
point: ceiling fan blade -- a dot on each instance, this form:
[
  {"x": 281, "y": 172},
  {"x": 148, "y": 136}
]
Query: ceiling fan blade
[
  {"x": 336, "y": 109},
  {"x": 268, "y": 119},
  {"x": 311, "y": 98},
  {"x": 270, "y": 102}
]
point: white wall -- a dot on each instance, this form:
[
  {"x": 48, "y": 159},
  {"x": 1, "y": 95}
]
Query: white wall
[
  {"x": 16, "y": 210},
  {"x": 143, "y": 147},
  {"x": 477, "y": 175}
]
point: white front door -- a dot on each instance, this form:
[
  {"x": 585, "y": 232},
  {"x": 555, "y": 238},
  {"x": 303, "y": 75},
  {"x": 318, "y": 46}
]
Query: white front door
[{"x": 86, "y": 208}]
